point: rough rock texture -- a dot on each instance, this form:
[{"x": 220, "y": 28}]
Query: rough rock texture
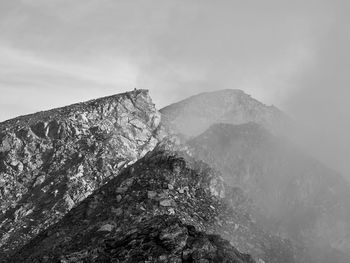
[
  {"x": 50, "y": 161},
  {"x": 194, "y": 115},
  {"x": 298, "y": 197},
  {"x": 159, "y": 239},
  {"x": 163, "y": 208}
]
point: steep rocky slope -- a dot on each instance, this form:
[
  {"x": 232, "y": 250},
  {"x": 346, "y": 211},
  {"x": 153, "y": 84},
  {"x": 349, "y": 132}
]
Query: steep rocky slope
[
  {"x": 50, "y": 161},
  {"x": 297, "y": 197},
  {"x": 163, "y": 208},
  {"x": 70, "y": 184},
  {"x": 194, "y": 115}
]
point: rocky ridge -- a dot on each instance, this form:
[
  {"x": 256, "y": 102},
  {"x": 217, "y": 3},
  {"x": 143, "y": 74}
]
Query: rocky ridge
[
  {"x": 51, "y": 161},
  {"x": 164, "y": 208},
  {"x": 81, "y": 157}
]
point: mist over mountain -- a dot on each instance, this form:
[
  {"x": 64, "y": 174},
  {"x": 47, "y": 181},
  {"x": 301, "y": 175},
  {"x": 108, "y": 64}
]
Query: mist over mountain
[
  {"x": 295, "y": 196},
  {"x": 205, "y": 131},
  {"x": 194, "y": 115},
  {"x": 208, "y": 179}
]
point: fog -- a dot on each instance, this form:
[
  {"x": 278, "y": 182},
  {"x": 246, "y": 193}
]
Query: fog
[
  {"x": 320, "y": 101},
  {"x": 293, "y": 54}
]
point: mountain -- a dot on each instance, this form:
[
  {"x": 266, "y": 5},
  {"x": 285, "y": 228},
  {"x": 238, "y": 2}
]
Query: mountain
[
  {"x": 68, "y": 180},
  {"x": 194, "y": 115},
  {"x": 295, "y": 196},
  {"x": 292, "y": 195},
  {"x": 108, "y": 181},
  {"x": 167, "y": 207},
  {"x": 50, "y": 161}
]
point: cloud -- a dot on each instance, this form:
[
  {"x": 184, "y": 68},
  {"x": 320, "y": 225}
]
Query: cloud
[
  {"x": 320, "y": 100},
  {"x": 34, "y": 83},
  {"x": 293, "y": 54},
  {"x": 174, "y": 48},
  {"x": 100, "y": 71}
]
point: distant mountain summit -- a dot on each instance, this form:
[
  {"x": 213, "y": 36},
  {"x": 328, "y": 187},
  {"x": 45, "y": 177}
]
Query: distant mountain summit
[
  {"x": 292, "y": 194},
  {"x": 194, "y": 115}
]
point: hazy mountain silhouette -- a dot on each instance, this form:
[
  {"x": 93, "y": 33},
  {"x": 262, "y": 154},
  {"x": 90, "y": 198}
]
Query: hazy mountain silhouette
[
  {"x": 294, "y": 195},
  {"x": 194, "y": 115}
]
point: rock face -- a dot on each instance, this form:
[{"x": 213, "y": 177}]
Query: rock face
[
  {"x": 51, "y": 161},
  {"x": 164, "y": 208},
  {"x": 194, "y": 115},
  {"x": 159, "y": 239},
  {"x": 296, "y": 196}
]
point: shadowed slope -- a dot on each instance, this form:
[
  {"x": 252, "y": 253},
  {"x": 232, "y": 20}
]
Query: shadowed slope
[{"x": 152, "y": 212}]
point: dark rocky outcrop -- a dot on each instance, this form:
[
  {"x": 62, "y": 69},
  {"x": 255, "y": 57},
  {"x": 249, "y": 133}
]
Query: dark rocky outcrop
[
  {"x": 51, "y": 161},
  {"x": 164, "y": 208},
  {"x": 159, "y": 239}
]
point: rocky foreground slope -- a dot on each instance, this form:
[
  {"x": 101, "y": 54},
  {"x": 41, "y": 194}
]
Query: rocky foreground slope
[
  {"x": 296, "y": 196},
  {"x": 52, "y": 160},
  {"x": 164, "y": 208}
]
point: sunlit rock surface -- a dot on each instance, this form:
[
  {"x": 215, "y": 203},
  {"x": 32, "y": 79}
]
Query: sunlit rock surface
[
  {"x": 164, "y": 208},
  {"x": 50, "y": 161}
]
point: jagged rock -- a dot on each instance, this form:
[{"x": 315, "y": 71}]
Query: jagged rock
[
  {"x": 50, "y": 161},
  {"x": 69, "y": 202},
  {"x": 119, "y": 198},
  {"x": 144, "y": 231},
  {"x": 117, "y": 211},
  {"x": 106, "y": 228},
  {"x": 151, "y": 194},
  {"x": 166, "y": 202}
]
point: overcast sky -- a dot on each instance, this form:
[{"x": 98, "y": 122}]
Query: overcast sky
[{"x": 293, "y": 54}]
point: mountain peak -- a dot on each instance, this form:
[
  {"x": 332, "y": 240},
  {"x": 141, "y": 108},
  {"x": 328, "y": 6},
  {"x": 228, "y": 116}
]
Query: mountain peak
[
  {"x": 194, "y": 115},
  {"x": 51, "y": 160}
]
